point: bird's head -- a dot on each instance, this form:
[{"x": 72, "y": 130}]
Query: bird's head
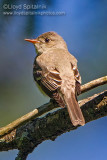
[{"x": 47, "y": 41}]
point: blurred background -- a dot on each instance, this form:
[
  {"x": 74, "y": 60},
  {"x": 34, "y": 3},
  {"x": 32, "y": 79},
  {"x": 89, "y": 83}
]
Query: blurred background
[{"x": 83, "y": 25}]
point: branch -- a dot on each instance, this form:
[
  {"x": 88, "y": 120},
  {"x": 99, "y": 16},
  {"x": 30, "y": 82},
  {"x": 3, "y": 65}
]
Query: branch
[
  {"x": 30, "y": 135},
  {"x": 47, "y": 107},
  {"x": 93, "y": 84}
]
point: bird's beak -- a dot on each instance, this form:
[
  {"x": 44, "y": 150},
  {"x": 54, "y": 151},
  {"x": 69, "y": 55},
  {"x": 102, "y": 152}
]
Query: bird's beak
[{"x": 32, "y": 40}]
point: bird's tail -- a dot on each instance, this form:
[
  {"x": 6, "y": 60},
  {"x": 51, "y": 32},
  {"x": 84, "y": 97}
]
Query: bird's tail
[{"x": 74, "y": 110}]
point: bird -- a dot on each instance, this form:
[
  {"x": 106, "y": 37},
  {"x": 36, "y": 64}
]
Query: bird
[{"x": 55, "y": 71}]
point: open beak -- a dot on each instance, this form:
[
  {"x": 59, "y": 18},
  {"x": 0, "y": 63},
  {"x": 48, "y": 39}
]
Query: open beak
[{"x": 32, "y": 40}]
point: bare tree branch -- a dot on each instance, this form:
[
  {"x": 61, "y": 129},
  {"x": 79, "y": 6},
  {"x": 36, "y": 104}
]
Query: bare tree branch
[
  {"x": 28, "y": 136},
  {"x": 47, "y": 107},
  {"x": 93, "y": 84}
]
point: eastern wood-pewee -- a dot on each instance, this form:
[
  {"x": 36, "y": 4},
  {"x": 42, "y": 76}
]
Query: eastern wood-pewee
[{"x": 56, "y": 72}]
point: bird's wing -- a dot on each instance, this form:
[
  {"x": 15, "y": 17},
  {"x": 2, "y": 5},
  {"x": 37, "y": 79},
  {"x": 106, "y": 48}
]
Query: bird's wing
[
  {"x": 77, "y": 79},
  {"x": 52, "y": 80},
  {"x": 49, "y": 83}
]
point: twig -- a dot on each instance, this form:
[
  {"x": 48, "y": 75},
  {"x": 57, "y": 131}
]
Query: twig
[
  {"x": 93, "y": 84},
  {"x": 47, "y": 107}
]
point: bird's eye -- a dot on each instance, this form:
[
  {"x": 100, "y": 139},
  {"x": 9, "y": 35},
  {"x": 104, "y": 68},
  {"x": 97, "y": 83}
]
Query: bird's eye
[{"x": 47, "y": 40}]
